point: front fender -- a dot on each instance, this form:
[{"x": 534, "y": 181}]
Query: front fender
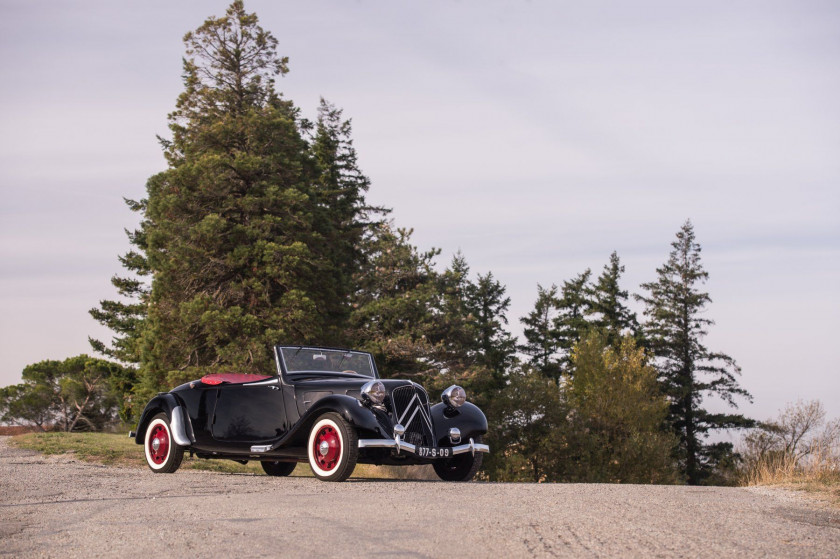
[
  {"x": 469, "y": 419},
  {"x": 173, "y": 407},
  {"x": 351, "y": 409}
]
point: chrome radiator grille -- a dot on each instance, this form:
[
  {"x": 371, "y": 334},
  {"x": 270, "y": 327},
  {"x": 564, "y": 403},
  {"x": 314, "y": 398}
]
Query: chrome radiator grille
[{"x": 411, "y": 409}]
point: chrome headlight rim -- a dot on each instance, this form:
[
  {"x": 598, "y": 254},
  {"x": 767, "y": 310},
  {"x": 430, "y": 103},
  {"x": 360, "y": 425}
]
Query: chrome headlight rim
[
  {"x": 454, "y": 396},
  {"x": 374, "y": 392}
]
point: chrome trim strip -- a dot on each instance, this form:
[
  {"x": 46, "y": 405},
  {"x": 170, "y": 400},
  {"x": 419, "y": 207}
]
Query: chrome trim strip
[
  {"x": 424, "y": 412},
  {"x": 410, "y": 419},
  {"x": 424, "y": 409},
  {"x": 387, "y": 443},
  {"x": 277, "y": 358},
  {"x": 377, "y": 443},
  {"x": 261, "y": 448},
  {"x": 407, "y": 407},
  {"x": 472, "y": 447},
  {"x": 179, "y": 432},
  {"x": 268, "y": 382}
]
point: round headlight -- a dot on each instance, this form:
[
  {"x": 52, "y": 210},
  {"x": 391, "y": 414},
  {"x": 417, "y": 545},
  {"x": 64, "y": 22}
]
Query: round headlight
[
  {"x": 374, "y": 391},
  {"x": 454, "y": 396}
]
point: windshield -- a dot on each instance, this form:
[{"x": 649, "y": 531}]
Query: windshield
[{"x": 312, "y": 359}]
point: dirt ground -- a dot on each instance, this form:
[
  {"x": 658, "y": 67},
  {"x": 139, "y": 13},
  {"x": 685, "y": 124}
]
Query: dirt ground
[{"x": 58, "y": 507}]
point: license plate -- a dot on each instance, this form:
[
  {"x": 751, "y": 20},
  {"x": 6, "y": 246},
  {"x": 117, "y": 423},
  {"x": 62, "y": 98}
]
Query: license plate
[{"x": 433, "y": 452}]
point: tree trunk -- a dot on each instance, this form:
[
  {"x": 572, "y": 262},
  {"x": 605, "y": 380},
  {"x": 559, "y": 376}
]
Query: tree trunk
[
  {"x": 690, "y": 441},
  {"x": 79, "y": 411}
]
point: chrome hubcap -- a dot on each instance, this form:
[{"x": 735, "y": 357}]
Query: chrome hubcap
[
  {"x": 156, "y": 444},
  {"x": 324, "y": 448}
]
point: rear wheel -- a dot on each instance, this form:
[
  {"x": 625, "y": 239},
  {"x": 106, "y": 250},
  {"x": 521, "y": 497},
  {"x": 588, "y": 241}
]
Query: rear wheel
[
  {"x": 163, "y": 455},
  {"x": 462, "y": 467},
  {"x": 333, "y": 448},
  {"x": 278, "y": 468}
]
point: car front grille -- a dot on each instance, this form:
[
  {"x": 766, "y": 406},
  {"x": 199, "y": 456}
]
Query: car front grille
[{"x": 411, "y": 409}]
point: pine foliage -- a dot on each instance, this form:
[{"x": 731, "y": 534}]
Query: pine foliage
[
  {"x": 572, "y": 320},
  {"x": 607, "y": 303},
  {"x": 542, "y": 333},
  {"x": 675, "y": 307}
]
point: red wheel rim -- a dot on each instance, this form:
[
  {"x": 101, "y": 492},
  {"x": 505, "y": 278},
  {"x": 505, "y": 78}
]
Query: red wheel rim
[
  {"x": 326, "y": 448},
  {"x": 159, "y": 444}
]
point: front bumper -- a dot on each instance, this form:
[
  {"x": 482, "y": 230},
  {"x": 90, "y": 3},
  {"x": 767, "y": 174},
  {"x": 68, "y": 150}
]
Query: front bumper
[{"x": 399, "y": 445}]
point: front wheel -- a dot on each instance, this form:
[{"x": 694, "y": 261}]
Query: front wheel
[
  {"x": 163, "y": 455},
  {"x": 333, "y": 448},
  {"x": 278, "y": 468},
  {"x": 462, "y": 467}
]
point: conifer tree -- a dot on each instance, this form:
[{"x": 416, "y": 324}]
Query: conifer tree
[
  {"x": 418, "y": 322},
  {"x": 394, "y": 308},
  {"x": 457, "y": 332},
  {"x": 542, "y": 334},
  {"x": 488, "y": 305},
  {"x": 676, "y": 324},
  {"x": 125, "y": 317},
  {"x": 526, "y": 421},
  {"x": 607, "y": 303},
  {"x": 342, "y": 214},
  {"x": 572, "y": 321},
  {"x": 251, "y": 235},
  {"x": 230, "y": 225}
]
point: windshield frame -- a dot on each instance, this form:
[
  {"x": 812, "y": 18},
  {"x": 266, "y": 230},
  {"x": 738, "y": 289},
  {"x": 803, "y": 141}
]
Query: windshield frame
[{"x": 283, "y": 370}]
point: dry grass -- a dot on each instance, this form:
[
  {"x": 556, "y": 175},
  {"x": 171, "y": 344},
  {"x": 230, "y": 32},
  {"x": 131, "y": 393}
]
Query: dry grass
[
  {"x": 103, "y": 448},
  {"x": 818, "y": 473},
  {"x": 120, "y": 450},
  {"x": 11, "y": 430}
]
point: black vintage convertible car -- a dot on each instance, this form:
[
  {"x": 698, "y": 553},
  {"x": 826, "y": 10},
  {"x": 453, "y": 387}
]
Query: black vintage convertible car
[{"x": 325, "y": 406}]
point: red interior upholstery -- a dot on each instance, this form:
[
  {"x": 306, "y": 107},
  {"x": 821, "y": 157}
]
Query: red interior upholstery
[{"x": 232, "y": 378}]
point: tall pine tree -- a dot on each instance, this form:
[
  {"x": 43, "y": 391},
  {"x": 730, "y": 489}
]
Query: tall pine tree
[
  {"x": 395, "y": 305},
  {"x": 612, "y": 316},
  {"x": 457, "y": 333},
  {"x": 231, "y": 223},
  {"x": 252, "y": 233},
  {"x": 488, "y": 304},
  {"x": 542, "y": 334},
  {"x": 572, "y": 321},
  {"x": 688, "y": 371},
  {"x": 126, "y": 317},
  {"x": 342, "y": 215}
]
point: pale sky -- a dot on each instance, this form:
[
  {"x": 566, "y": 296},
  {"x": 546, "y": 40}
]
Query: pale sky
[{"x": 536, "y": 137}]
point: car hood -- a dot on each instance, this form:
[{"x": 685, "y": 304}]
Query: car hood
[{"x": 350, "y": 386}]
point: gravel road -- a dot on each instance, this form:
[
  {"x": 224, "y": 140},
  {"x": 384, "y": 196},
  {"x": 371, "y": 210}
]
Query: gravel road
[{"x": 59, "y": 507}]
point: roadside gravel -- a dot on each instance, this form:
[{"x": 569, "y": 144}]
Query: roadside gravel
[{"x": 58, "y": 507}]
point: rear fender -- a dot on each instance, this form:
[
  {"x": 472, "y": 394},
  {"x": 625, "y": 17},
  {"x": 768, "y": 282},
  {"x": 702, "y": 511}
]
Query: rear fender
[{"x": 174, "y": 409}]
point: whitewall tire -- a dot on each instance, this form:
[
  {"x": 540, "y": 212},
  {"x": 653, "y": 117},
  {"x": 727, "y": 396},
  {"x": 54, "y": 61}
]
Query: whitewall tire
[
  {"x": 333, "y": 448},
  {"x": 163, "y": 455}
]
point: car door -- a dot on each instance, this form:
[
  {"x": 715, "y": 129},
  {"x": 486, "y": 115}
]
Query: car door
[{"x": 249, "y": 413}]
